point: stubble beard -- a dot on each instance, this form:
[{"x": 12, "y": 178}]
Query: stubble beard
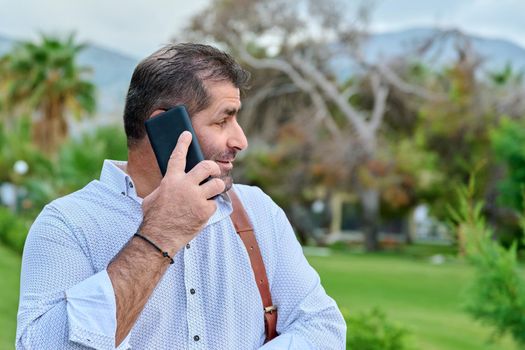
[
  {"x": 228, "y": 181},
  {"x": 226, "y": 177}
]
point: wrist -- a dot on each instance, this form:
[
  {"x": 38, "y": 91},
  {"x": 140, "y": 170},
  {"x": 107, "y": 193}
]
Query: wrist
[
  {"x": 154, "y": 245},
  {"x": 167, "y": 241}
]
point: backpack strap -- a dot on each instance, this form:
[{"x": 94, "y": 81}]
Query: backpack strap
[{"x": 245, "y": 231}]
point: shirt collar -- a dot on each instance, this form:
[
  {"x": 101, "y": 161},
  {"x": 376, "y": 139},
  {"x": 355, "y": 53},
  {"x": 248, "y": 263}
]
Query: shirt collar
[{"x": 113, "y": 175}]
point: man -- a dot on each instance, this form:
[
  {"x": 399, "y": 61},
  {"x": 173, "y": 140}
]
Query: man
[{"x": 89, "y": 282}]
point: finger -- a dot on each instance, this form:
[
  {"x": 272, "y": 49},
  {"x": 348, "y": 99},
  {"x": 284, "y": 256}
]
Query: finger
[
  {"x": 177, "y": 161},
  {"x": 213, "y": 187},
  {"x": 203, "y": 170}
]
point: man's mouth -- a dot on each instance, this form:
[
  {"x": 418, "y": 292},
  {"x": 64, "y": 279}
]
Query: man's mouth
[{"x": 225, "y": 164}]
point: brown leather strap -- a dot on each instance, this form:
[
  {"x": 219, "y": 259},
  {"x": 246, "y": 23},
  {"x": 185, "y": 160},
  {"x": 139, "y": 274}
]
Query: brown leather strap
[{"x": 245, "y": 231}]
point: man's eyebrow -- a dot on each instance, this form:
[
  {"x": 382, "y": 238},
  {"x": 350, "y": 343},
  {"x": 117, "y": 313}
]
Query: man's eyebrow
[{"x": 231, "y": 111}]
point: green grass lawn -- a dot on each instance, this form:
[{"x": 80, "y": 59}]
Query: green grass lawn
[
  {"x": 423, "y": 297},
  {"x": 9, "y": 287}
]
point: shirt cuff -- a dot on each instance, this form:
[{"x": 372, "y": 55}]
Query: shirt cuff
[{"x": 91, "y": 313}]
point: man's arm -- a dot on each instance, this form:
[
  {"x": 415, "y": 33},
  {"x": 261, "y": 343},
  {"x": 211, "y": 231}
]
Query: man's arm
[
  {"x": 134, "y": 274},
  {"x": 307, "y": 317}
]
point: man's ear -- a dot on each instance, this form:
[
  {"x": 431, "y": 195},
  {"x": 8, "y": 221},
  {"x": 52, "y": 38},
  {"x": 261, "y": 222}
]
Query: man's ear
[{"x": 156, "y": 112}]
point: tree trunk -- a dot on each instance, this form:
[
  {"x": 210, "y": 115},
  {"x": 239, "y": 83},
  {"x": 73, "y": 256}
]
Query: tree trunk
[
  {"x": 50, "y": 131},
  {"x": 370, "y": 202}
]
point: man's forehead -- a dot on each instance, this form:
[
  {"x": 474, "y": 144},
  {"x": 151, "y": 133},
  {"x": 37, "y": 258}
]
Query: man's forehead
[
  {"x": 212, "y": 85},
  {"x": 223, "y": 90}
]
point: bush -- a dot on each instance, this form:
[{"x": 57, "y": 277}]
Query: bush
[
  {"x": 79, "y": 161},
  {"x": 496, "y": 295},
  {"x": 373, "y": 331},
  {"x": 13, "y": 229}
]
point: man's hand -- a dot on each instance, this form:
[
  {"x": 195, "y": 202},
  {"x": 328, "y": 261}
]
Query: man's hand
[{"x": 178, "y": 209}]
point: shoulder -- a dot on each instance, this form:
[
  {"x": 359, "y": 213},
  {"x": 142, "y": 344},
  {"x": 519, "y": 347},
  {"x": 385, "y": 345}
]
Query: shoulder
[
  {"x": 246, "y": 190},
  {"x": 77, "y": 206},
  {"x": 59, "y": 220},
  {"x": 83, "y": 218},
  {"x": 92, "y": 193},
  {"x": 260, "y": 207},
  {"x": 254, "y": 198}
]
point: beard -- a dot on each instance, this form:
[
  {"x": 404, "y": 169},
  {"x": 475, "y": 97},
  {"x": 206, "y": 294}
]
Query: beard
[
  {"x": 226, "y": 174},
  {"x": 228, "y": 181}
]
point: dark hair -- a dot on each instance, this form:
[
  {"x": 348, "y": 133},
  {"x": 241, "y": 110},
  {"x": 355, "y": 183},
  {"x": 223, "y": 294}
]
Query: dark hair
[{"x": 174, "y": 75}]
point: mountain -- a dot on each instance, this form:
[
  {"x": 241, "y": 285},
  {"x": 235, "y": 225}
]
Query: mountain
[{"x": 495, "y": 52}]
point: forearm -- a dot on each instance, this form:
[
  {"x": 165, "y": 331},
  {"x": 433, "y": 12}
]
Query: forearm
[{"x": 134, "y": 273}]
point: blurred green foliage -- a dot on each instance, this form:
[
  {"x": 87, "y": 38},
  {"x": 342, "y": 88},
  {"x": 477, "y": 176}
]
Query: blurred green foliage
[
  {"x": 79, "y": 161},
  {"x": 496, "y": 295},
  {"x": 43, "y": 76},
  {"x": 374, "y": 331},
  {"x": 13, "y": 229},
  {"x": 508, "y": 143},
  {"x": 41, "y": 82}
]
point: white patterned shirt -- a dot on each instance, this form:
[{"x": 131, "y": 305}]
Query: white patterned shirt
[{"x": 207, "y": 299}]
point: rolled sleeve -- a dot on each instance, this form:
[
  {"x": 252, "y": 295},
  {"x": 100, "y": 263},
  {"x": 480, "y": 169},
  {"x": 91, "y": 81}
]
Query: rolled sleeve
[
  {"x": 64, "y": 303},
  {"x": 91, "y": 313}
]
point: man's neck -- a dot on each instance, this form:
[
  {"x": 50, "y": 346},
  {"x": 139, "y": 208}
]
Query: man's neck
[{"x": 143, "y": 169}]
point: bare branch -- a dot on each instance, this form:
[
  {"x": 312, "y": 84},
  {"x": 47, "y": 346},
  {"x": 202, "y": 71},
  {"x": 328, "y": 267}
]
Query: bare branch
[
  {"x": 349, "y": 92},
  {"x": 380, "y": 95},
  {"x": 277, "y": 64},
  {"x": 405, "y": 87},
  {"x": 330, "y": 90},
  {"x": 268, "y": 91},
  {"x": 322, "y": 113},
  {"x": 390, "y": 76},
  {"x": 283, "y": 66}
]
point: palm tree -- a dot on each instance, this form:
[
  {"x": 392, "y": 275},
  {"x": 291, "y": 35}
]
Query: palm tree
[{"x": 44, "y": 78}]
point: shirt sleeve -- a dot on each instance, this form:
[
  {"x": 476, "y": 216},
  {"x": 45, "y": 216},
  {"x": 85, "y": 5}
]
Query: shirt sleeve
[
  {"x": 307, "y": 317},
  {"x": 64, "y": 303}
]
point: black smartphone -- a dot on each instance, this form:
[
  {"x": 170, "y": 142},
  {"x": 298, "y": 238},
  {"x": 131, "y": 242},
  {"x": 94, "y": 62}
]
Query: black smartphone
[{"x": 164, "y": 130}]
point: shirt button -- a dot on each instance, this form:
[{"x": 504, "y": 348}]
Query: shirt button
[
  {"x": 188, "y": 246},
  {"x": 196, "y": 338},
  {"x": 131, "y": 184},
  {"x": 192, "y": 291}
]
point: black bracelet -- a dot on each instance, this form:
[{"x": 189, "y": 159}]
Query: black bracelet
[{"x": 164, "y": 254}]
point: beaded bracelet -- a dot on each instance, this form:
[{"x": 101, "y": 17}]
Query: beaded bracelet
[{"x": 164, "y": 254}]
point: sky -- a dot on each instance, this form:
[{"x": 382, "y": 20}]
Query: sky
[{"x": 138, "y": 28}]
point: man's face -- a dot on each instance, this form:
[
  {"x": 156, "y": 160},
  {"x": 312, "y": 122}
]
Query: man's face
[{"x": 219, "y": 134}]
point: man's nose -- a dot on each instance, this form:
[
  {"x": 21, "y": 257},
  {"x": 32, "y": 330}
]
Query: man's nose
[{"x": 237, "y": 138}]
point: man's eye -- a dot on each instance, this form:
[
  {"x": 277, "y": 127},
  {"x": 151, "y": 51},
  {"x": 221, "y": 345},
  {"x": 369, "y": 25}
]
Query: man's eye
[{"x": 221, "y": 123}]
